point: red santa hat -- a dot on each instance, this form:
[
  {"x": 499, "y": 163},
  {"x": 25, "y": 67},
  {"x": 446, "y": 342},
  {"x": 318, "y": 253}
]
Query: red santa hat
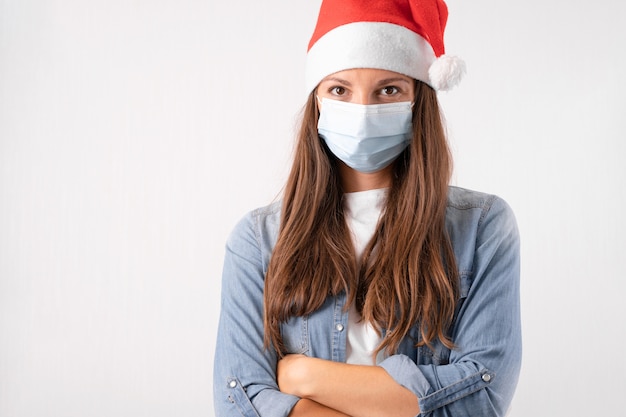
[{"x": 404, "y": 36}]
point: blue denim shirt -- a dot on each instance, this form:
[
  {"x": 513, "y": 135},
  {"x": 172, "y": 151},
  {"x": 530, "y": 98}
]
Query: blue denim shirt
[{"x": 477, "y": 378}]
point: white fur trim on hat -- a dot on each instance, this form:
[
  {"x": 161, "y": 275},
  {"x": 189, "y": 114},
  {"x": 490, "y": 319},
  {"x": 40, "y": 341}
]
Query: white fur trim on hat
[{"x": 376, "y": 45}]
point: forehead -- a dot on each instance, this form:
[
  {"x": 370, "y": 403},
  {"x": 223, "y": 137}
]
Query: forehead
[{"x": 366, "y": 76}]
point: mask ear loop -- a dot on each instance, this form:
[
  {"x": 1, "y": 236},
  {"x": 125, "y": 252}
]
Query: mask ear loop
[{"x": 319, "y": 101}]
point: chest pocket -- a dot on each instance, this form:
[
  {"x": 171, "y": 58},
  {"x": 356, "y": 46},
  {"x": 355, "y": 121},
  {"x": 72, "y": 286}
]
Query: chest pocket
[{"x": 295, "y": 335}]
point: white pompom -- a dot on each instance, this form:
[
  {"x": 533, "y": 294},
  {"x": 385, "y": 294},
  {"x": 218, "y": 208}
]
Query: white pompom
[{"x": 446, "y": 72}]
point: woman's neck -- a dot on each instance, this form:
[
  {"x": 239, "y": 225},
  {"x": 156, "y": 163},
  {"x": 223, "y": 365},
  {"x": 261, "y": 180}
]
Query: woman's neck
[{"x": 354, "y": 181}]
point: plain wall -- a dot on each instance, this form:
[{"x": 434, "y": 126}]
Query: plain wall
[{"x": 134, "y": 134}]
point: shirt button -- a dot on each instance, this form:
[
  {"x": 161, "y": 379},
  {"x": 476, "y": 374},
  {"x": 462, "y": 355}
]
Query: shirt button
[
  {"x": 339, "y": 327},
  {"x": 486, "y": 377},
  {"x": 232, "y": 384}
]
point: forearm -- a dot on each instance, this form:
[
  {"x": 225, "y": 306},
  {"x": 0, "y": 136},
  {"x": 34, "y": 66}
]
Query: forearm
[
  {"x": 309, "y": 408},
  {"x": 355, "y": 390}
]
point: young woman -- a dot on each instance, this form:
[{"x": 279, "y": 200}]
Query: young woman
[{"x": 373, "y": 288}]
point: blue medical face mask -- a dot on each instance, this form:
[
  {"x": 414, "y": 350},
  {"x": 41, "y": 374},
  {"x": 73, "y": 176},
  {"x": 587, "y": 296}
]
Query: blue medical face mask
[{"x": 367, "y": 137}]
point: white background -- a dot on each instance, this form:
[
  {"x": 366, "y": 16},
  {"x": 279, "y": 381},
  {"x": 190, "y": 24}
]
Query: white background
[{"x": 134, "y": 134}]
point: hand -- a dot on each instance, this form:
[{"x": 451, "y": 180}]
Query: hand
[{"x": 292, "y": 374}]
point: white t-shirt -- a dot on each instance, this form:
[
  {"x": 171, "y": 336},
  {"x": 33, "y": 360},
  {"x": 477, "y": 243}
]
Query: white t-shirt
[{"x": 362, "y": 211}]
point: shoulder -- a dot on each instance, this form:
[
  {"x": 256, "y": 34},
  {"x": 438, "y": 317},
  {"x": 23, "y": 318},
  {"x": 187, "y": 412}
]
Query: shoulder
[
  {"x": 477, "y": 207},
  {"x": 477, "y": 222},
  {"x": 463, "y": 198},
  {"x": 258, "y": 227}
]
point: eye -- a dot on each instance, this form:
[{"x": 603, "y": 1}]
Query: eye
[
  {"x": 389, "y": 91},
  {"x": 337, "y": 91}
]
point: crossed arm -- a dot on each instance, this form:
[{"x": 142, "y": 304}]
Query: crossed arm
[{"x": 334, "y": 389}]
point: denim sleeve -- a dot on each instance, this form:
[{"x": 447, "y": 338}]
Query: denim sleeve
[
  {"x": 482, "y": 372},
  {"x": 244, "y": 380}
]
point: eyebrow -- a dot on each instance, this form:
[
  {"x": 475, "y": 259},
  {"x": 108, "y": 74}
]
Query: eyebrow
[
  {"x": 393, "y": 80},
  {"x": 337, "y": 80}
]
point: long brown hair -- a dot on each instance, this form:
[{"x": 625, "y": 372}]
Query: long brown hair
[{"x": 408, "y": 274}]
